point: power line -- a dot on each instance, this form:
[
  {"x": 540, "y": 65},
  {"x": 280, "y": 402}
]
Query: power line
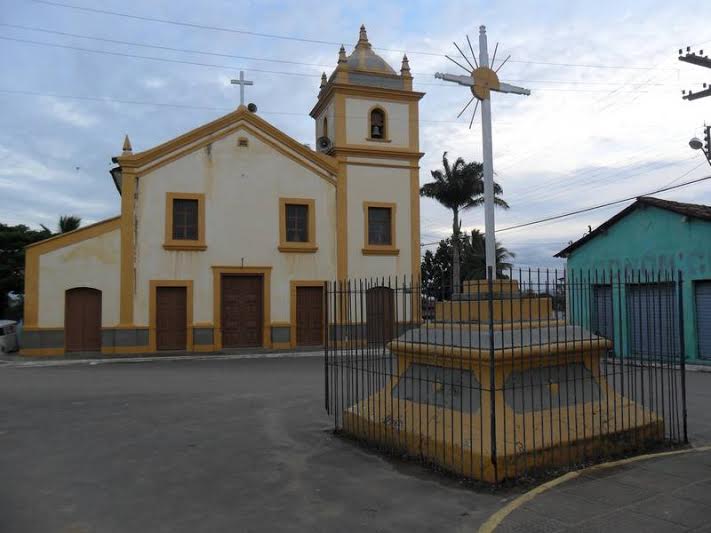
[
  {"x": 303, "y": 39},
  {"x": 160, "y": 47},
  {"x": 153, "y": 58},
  {"x": 233, "y": 67},
  {"x": 607, "y": 204},
  {"x": 115, "y": 100},
  {"x": 108, "y": 99},
  {"x": 194, "y": 25},
  {"x": 273, "y": 60},
  {"x": 580, "y": 182},
  {"x": 600, "y": 206}
]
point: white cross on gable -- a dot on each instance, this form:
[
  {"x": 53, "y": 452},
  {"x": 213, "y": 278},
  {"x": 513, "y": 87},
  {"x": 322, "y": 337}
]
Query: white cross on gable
[{"x": 241, "y": 82}]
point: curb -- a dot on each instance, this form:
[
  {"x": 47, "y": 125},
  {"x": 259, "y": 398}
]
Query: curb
[
  {"x": 499, "y": 516},
  {"x": 160, "y": 358}
]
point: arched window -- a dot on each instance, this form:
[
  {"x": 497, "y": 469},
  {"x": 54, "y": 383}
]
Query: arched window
[
  {"x": 377, "y": 124},
  {"x": 325, "y": 126}
]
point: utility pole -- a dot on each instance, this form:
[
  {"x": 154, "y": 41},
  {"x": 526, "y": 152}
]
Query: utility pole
[
  {"x": 705, "y": 146},
  {"x": 699, "y": 60},
  {"x": 481, "y": 80}
]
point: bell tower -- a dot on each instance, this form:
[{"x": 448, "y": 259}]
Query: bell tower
[
  {"x": 365, "y": 103},
  {"x": 367, "y": 117}
]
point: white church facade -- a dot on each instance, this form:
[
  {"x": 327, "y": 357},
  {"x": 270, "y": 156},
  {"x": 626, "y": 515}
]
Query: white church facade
[{"x": 226, "y": 234}]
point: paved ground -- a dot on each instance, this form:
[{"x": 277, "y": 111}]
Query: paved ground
[
  {"x": 217, "y": 445},
  {"x": 665, "y": 495},
  {"x": 245, "y": 445}
]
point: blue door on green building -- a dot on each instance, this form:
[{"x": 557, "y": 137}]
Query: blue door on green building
[
  {"x": 653, "y": 320},
  {"x": 603, "y": 321},
  {"x": 703, "y": 318}
]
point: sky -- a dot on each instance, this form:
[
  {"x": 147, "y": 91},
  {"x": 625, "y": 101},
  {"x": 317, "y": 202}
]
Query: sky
[{"x": 605, "y": 119}]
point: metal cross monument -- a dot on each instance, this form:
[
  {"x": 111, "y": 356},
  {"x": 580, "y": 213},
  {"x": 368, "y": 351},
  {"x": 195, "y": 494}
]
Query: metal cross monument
[
  {"x": 241, "y": 82},
  {"x": 481, "y": 80}
]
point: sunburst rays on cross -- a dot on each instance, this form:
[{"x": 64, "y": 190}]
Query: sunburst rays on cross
[{"x": 482, "y": 79}]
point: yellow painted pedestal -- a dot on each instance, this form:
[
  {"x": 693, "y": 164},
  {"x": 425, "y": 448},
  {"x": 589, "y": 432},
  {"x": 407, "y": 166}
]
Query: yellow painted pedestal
[{"x": 553, "y": 405}]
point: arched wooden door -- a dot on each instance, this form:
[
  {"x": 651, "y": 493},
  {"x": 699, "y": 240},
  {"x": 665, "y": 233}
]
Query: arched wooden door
[
  {"x": 380, "y": 314},
  {"x": 82, "y": 320}
]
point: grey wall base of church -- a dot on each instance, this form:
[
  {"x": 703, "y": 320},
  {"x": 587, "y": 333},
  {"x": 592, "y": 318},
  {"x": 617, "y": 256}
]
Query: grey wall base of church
[
  {"x": 203, "y": 336},
  {"x": 121, "y": 338},
  {"x": 281, "y": 334},
  {"x": 42, "y": 339}
]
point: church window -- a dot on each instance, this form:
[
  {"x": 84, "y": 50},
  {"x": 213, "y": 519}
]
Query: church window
[
  {"x": 185, "y": 221},
  {"x": 325, "y": 126},
  {"x": 379, "y": 228},
  {"x": 297, "y": 225},
  {"x": 377, "y": 124}
]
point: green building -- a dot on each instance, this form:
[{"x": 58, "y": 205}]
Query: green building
[{"x": 643, "y": 276}]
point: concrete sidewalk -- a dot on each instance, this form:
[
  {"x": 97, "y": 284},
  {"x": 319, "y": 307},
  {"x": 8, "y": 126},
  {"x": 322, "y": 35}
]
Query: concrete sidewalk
[
  {"x": 18, "y": 361},
  {"x": 666, "y": 493}
]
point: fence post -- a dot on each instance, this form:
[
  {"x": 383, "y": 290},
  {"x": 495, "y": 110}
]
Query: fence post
[
  {"x": 326, "y": 335},
  {"x": 682, "y": 354},
  {"x": 492, "y": 370}
]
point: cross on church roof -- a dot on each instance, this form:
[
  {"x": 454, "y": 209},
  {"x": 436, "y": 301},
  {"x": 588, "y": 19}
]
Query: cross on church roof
[{"x": 241, "y": 82}]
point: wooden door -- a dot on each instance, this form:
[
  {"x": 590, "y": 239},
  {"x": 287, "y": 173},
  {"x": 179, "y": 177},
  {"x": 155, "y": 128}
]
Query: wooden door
[
  {"x": 241, "y": 311},
  {"x": 309, "y": 316},
  {"x": 171, "y": 318},
  {"x": 380, "y": 314},
  {"x": 82, "y": 320}
]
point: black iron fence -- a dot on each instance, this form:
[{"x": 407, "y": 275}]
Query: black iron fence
[{"x": 504, "y": 379}]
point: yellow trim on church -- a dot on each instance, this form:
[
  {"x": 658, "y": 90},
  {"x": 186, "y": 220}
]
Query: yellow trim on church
[
  {"x": 35, "y": 250},
  {"x": 310, "y": 245}
]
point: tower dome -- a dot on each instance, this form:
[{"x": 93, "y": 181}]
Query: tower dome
[{"x": 363, "y": 57}]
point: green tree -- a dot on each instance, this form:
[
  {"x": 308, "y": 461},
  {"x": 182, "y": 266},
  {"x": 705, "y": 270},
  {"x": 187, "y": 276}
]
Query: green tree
[
  {"x": 474, "y": 257},
  {"x": 459, "y": 187},
  {"x": 68, "y": 223},
  {"x": 436, "y": 269},
  {"x": 13, "y": 240}
]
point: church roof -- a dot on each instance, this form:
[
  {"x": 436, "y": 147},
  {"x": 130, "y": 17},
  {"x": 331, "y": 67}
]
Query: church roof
[
  {"x": 222, "y": 126},
  {"x": 363, "y": 57}
]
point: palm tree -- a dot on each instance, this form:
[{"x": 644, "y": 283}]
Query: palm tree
[
  {"x": 68, "y": 223},
  {"x": 459, "y": 187},
  {"x": 475, "y": 257}
]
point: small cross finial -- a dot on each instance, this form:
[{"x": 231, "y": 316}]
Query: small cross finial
[
  {"x": 342, "y": 55},
  {"x": 363, "y": 37},
  {"x": 241, "y": 82},
  {"x": 405, "y": 67},
  {"x": 127, "y": 145}
]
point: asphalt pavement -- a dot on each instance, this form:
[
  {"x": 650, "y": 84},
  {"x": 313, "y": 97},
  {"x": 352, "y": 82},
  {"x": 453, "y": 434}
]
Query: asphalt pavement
[
  {"x": 202, "y": 445},
  {"x": 244, "y": 444}
]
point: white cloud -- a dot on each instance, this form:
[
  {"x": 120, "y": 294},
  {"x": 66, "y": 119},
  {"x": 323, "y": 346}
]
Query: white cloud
[
  {"x": 585, "y": 136},
  {"x": 154, "y": 82},
  {"x": 70, "y": 112}
]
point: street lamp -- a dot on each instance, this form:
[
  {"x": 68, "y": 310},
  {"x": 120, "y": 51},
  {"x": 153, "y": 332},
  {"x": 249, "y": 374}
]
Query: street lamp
[{"x": 696, "y": 144}]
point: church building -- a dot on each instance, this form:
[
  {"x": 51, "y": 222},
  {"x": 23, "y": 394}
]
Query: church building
[{"x": 227, "y": 233}]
